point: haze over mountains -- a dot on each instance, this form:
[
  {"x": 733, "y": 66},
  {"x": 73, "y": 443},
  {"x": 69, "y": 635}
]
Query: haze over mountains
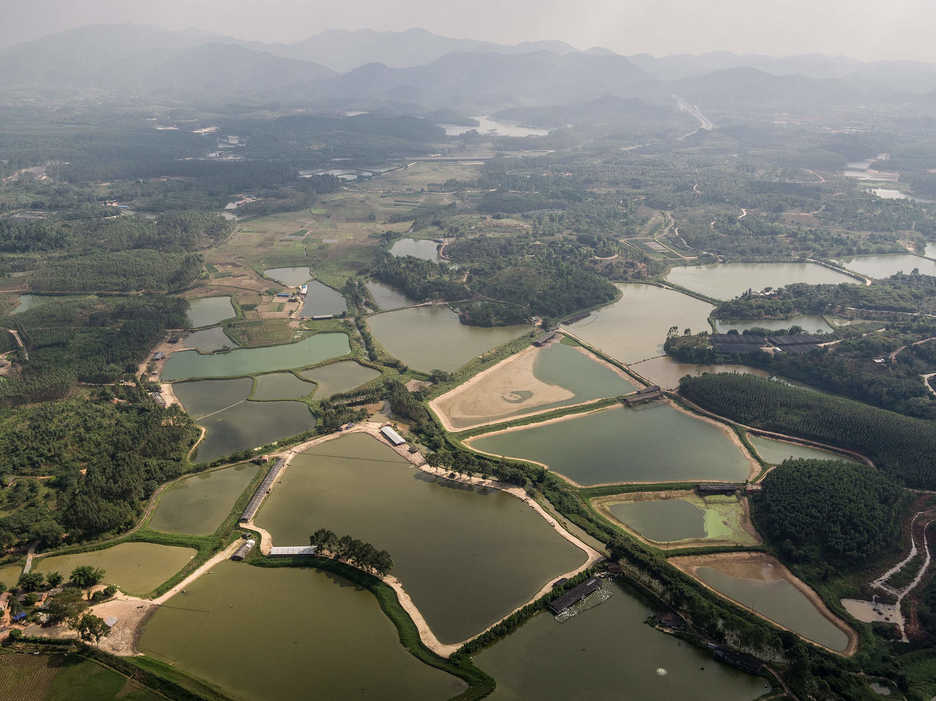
[{"x": 419, "y": 70}]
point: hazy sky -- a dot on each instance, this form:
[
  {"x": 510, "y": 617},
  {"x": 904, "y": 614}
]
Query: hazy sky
[{"x": 868, "y": 29}]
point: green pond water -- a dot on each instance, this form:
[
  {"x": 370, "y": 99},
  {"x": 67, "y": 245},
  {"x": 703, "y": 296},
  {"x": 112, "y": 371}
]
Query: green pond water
[
  {"x": 322, "y": 300},
  {"x": 505, "y": 552},
  {"x": 650, "y": 443},
  {"x": 137, "y": 568},
  {"x": 809, "y": 324},
  {"x": 311, "y": 635},
  {"x": 28, "y": 301},
  {"x": 386, "y": 297},
  {"x": 432, "y": 338},
  {"x": 779, "y": 601},
  {"x": 882, "y": 266},
  {"x": 728, "y": 280},
  {"x": 280, "y": 385},
  {"x": 208, "y": 396},
  {"x": 198, "y": 504},
  {"x": 775, "y": 452},
  {"x": 339, "y": 377},
  {"x": 566, "y": 366},
  {"x": 608, "y": 653},
  {"x": 232, "y": 422},
  {"x": 634, "y": 328},
  {"x": 291, "y": 277},
  {"x": 667, "y": 371},
  {"x": 208, "y": 340},
  {"x": 424, "y": 249},
  {"x": 207, "y": 311},
  {"x": 662, "y": 520},
  {"x": 249, "y": 361}
]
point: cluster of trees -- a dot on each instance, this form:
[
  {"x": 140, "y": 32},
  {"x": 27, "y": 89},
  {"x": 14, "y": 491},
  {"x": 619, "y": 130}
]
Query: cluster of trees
[
  {"x": 105, "y": 459},
  {"x": 91, "y": 340},
  {"x": 420, "y": 280},
  {"x": 816, "y": 511},
  {"x": 899, "y": 293},
  {"x": 118, "y": 271},
  {"x": 353, "y": 551},
  {"x": 899, "y": 445},
  {"x": 183, "y": 230}
]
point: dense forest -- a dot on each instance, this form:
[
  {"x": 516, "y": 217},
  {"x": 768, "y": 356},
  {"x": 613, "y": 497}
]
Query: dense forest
[
  {"x": 91, "y": 340},
  {"x": 898, "y": 445},
  {"x": 120, "y": 271},
  {"x": 839, "y": 513},
  {"x": 104, "y": 455}
]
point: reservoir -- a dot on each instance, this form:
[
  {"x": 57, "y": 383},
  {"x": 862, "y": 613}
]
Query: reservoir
[
  {"x": 357, "y": 485},
  {"x": 248, "y": 361},
  {"x": 430, "y": 338},
  {"x": 883, "y": 266},
  {"x": 608, "y": 653},
  {"x": 634, "y": 328},
  {"x": 291, "y": 277},
  {"x": 729, "y": 280},
  {"x": 775, "y": 452},
  {"x": 385, "y": 297},
  {"x": 764, "y": 585},
  {"x": 650, "y": 443},
  {"x": 424, "y": 249},
  {"x": 303, "y": 626},
  {"x": 809, "y": 324},
  {"x": 208, "y": 340},
  {"x": 667, "y": 371},
  {"x": 322, "y": 300},
  {"x": 198, "y": 504},
  {"x": 336, "y": 378},
  {"x": 208, "y": 311}
]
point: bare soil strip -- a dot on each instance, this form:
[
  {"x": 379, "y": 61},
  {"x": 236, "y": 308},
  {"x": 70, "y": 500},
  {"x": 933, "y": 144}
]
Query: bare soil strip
[{"x": 749, "y": 565}]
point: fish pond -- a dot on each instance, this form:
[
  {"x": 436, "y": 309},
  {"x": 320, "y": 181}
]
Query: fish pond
[
  {"x": 432, "y": 338},
  {"x": 280, "y": 385},
  {"x": 250, "y": 361},
  {"x": 676, "y": 516},
  {"x": 666, "y": 371},
  {"x": 232, "y": 422},
  {"x": 649, "y": 443},
  {"x": 291, "y": 277},
  {"x": 137, "y": 568},
  {"x": 535, "y": 379},
  {"x": 424, "y": 249},
  {"x": 304, "y": 627},
  {"x": 775, "y": 452},
  {"x": 208, "y": 311},
  {"x": 28, "y": 301},
  {"x": 322, "y": 300},
  {"x": 809, "y": 324},
  {"x": 356, "y": 485},
  {"x": 198, "y": 504},
  {"x": 764, "y": 585},
  {"x": 209, "y": 340},
  {"x": 882, "y": 266},
  {"x": 634, "y": 328},
  {"x": 339, "y": 377},
  {"x": 385, "y": 297},
  {"x": 728, "y": 280},
  {"x": 608, "y": 653}
]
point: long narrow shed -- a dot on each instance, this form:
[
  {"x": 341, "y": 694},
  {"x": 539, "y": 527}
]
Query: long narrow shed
[{"x": 392, "y": 436}]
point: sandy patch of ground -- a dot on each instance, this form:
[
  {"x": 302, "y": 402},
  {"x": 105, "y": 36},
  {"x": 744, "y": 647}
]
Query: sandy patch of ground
[
  {"x": 749, "y": 533},
  {"x": 498, "y": 392},
  {"x": 762, "y": 568}
]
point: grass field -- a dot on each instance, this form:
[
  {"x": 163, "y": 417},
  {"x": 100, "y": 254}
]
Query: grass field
[
  {"x": 137, "y": 568},
  {"x": 9, "y": 574},
  {"x": 269, "y": 332},
  {"x": 64, "y": 678}
]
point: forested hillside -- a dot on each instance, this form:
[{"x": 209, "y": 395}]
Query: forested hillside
[{"x": 899, "y": 445}]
